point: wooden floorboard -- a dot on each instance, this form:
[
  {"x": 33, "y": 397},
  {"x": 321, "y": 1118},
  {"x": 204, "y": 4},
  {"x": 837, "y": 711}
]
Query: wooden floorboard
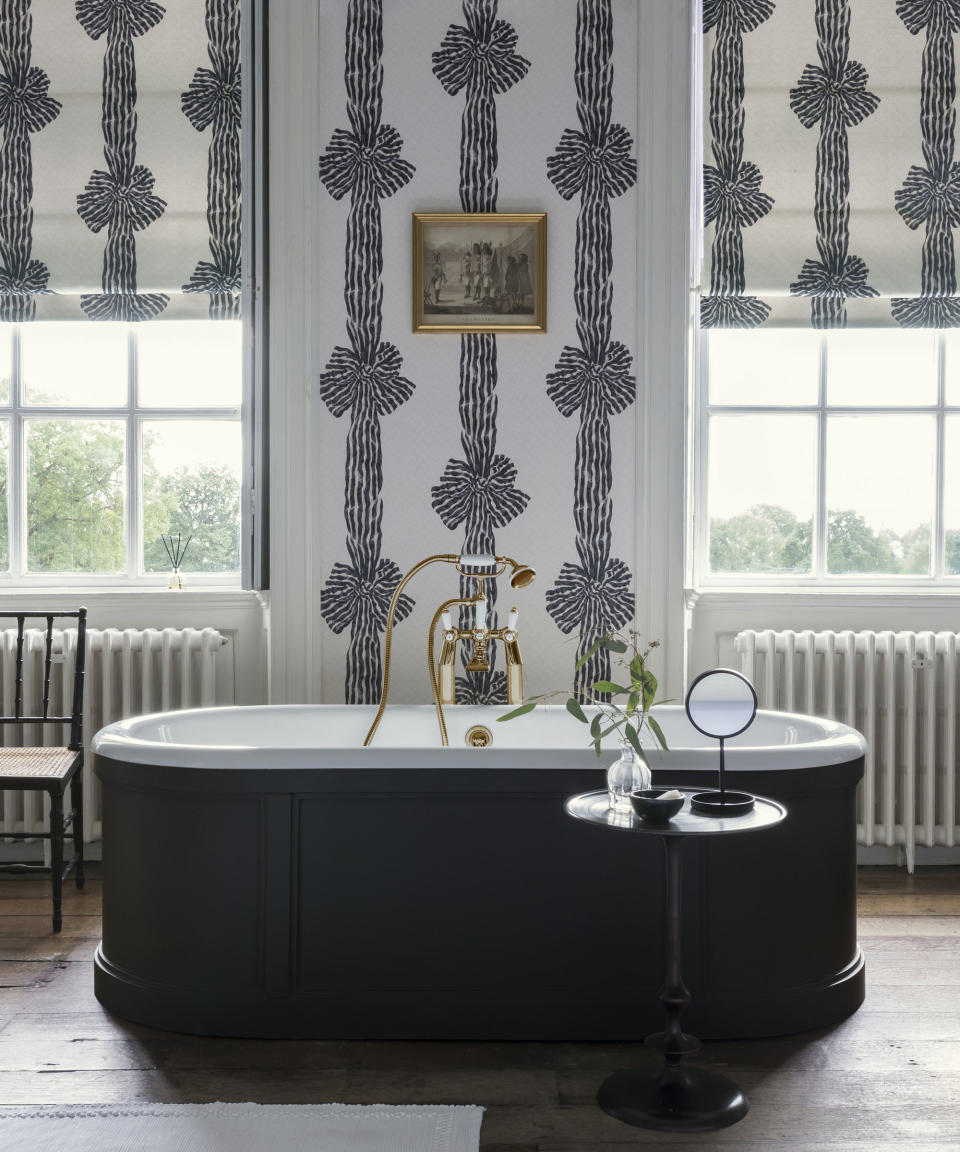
[{"x": 886, "y": 1079}]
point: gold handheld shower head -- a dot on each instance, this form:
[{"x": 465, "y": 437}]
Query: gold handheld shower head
[{"x": 522, "y": 576}]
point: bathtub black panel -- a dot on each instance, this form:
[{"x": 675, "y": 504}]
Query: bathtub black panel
[
  {"x": 462, "y": 904},
  {"x": 473, "y": 893},
  {"x": 158, "y": 845}
]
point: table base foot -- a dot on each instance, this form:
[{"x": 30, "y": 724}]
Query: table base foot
[{"x": 674, "y": 1098}]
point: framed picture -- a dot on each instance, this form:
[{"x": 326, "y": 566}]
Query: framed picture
[{"x": 479, "y": 272}]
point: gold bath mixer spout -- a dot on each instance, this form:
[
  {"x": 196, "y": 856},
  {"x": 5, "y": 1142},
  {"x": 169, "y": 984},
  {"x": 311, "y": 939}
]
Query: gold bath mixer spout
[{"x": 445, "y": 692}]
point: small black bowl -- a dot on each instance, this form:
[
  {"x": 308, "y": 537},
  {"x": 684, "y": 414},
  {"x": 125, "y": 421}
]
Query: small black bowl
[{"x": 649, "y": 804}]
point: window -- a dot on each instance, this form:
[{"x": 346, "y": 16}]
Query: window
[
  {"x": 129, "y": 386},
  {"x": 112, "y": 434},
  {"x": 829, "y": 457}
]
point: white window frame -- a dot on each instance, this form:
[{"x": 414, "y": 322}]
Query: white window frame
[
  {"x": 132, "y": 414},
  {"x": 819, "y": 578}
]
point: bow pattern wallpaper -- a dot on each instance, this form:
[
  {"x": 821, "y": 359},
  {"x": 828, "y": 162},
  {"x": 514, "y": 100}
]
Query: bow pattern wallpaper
[
  {"x": 511, "y": 444},
  {"x": 109, "y": 214},
  {"x": 831, "y": 182}
]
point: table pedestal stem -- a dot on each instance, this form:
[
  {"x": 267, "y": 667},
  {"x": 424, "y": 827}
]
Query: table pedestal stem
[{"x": 675, "y": 1098}]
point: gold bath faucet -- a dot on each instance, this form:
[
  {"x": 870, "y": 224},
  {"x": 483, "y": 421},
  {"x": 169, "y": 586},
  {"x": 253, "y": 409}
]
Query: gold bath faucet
[
  {"x": 479, "y": 635},
  {"x": 443, "y": 673}
]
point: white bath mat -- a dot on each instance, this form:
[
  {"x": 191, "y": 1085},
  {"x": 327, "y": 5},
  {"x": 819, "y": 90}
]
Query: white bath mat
[{"x": 241, "y": 1128}]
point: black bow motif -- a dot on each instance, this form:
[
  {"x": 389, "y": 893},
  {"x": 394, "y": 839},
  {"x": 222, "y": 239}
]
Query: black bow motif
[
  {"x": 118, "y": 17},
  {"x": 120, "y": 202},
  {"x": 480, "y": 495},
  {"x": 348, "y": 380},
  {"x": 580, "y": 598},
  {"x": 213, "y": 95},
  {"x": 918, "y": 14},
  {"x": 739, "y": 15},
  {"x": 348, "y": 593},
  {"x": 848, "y": 281},
  {"x": 348, "y": 159},
  {"x": 608, "y": 387},
  {"x": 24, "y": 101},
  {"x": 735, "y": 196},
  {"x": 605, "y": 162},
  {"x": 480, "y": 55},
  {"x": 927, "y": 195}
]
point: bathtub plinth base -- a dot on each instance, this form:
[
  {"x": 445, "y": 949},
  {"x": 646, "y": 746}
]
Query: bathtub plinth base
[{"x": 477, "y": 1014}]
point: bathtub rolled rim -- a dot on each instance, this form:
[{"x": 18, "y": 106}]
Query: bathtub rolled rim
[{"x": 152, "y": 740}]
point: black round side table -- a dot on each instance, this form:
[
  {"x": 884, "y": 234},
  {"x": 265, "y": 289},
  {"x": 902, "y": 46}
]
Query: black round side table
[{"x": 675, "y": 1097}]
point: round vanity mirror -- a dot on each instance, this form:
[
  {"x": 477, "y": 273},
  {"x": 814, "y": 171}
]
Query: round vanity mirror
[{"x": 721, "y": 703}]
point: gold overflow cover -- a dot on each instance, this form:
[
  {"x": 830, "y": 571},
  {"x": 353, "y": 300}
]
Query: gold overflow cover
[{"x": 478, "y": 737}]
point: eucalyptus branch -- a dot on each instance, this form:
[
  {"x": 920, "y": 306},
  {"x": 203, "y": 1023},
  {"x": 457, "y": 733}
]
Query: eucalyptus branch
[{"x": 640, "y": 693}]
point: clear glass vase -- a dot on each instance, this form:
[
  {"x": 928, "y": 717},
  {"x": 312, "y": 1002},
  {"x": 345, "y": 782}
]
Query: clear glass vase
[{"x": 626, "y": 775}]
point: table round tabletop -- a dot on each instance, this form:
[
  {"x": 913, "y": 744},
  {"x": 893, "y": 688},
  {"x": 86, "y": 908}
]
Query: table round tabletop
[{"x": 594, "y": 808}]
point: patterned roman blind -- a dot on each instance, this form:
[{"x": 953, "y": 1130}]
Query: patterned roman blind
[
  {"x": 831, "y": 181},
  {"x": 119, "y": 159}
]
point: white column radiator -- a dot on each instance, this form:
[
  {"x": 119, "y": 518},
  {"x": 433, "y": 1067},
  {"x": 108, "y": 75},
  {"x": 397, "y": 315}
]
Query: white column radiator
[
  {"x": 128, "y": 672},
  {"x": 900, "y": 690}
]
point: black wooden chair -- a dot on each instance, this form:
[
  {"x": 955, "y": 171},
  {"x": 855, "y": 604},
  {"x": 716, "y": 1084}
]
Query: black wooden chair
[{"x": 49, "y": 769}]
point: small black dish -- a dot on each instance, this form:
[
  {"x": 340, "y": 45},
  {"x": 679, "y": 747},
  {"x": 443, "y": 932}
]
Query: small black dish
[
  {"x": 735, "y": 803},
  {"x": 649, "y": 804}
]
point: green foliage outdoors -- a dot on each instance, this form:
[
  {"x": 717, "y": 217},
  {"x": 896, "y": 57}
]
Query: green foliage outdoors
[
  {"x": 75, "y": 481},
  {"x": 770, "y": 539},
  {"x": 203, "y": 503},
  {"x": 75, "y": 504}
]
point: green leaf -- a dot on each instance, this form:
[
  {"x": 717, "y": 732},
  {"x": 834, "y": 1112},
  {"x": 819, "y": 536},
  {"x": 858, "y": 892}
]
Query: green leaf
[
  {"x": 591, "y": 651},
  {"x": 595, "y": 726},
  {"x": 634, "y": 739},
  {"x": 524, "y": 708},
  {"x": 637, "y": 668},
  {"x": 649, "y": 688},
  {"x": 614, "y": 645},
  {"x": 658, "y": 732},
  {"x": 609, "y": 686},
  {"x": 596, "y": 745},
  {"x": 573, "y": 707},
  {"x": 632, "y": 703}
]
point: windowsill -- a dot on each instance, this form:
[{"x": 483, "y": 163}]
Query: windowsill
[
  {"x": 827, "y": 595},
  {"x": 145, "y": 596}
]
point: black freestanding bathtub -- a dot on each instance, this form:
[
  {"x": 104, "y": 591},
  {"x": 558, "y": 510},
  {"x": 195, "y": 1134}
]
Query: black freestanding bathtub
[{"x": 265, "y": 875}]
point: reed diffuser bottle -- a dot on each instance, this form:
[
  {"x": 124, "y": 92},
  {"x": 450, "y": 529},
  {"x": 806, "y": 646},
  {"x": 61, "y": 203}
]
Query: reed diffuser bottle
[{"x": 175, "y": 552}]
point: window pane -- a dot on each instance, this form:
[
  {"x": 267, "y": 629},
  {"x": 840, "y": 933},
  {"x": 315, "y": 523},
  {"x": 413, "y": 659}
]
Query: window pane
[
  {"x": 880, "y": 493},
  {"x": 190, "y": 364},
  {"x": 4, "y": 472},
  {"x": 74, "y": 363},
  {"x": 6, "y": 341},
  {"x": 75, "y": 495},
  {"x": 198, "y": 501},
  {"x": 951, "y": 340},
  {"x": 762, "y": 493},
  {"x": 951, "y": 495},
  {"x": 779, "y": 366},
  {"x": 879, "y": 366}
]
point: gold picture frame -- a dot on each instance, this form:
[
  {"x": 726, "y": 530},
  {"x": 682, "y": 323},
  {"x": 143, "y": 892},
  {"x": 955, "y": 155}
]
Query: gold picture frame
[{"x": 480, "y": 272}]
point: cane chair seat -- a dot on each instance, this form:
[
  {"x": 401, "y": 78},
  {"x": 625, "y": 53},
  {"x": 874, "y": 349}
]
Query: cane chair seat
[
  {"x": 45, "y": 769},
  {"x": 47, "y": 763}
]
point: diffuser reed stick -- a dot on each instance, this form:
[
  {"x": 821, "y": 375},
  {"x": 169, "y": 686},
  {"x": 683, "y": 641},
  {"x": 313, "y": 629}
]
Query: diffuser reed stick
[{"x": 176, "y": 551}]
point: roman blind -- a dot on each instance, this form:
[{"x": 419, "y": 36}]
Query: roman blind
[
  {"x": 831, "y": 180},
  {"x": 119, "y": 159}
]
